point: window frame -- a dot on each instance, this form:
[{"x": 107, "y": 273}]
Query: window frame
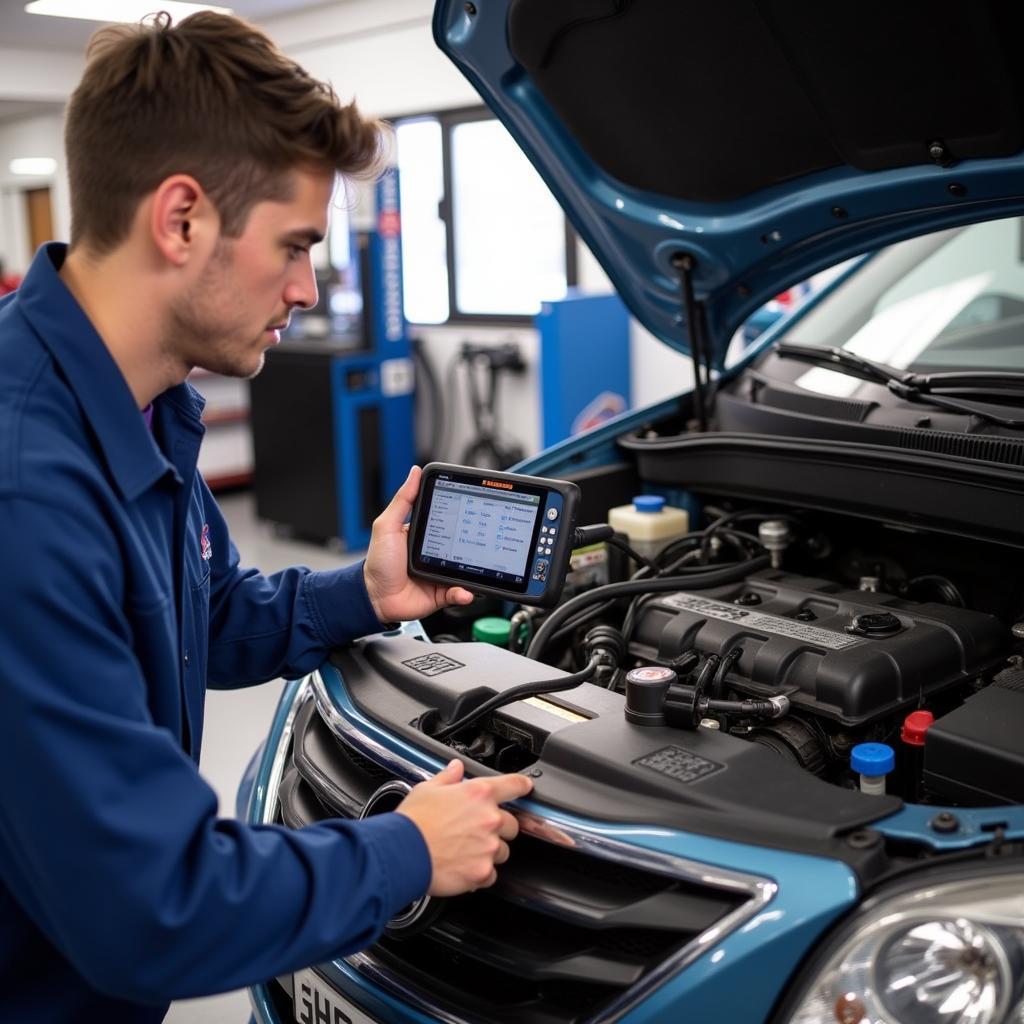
[{"x": 448, "y": 121}]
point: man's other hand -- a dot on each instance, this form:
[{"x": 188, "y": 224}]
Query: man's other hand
[
  {"x": 394, "y": 596},
  {"x": 465, "y": 829}
]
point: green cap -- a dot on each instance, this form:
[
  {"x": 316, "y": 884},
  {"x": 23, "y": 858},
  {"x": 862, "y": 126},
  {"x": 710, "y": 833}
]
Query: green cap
[{"x": 492, "y": 629}]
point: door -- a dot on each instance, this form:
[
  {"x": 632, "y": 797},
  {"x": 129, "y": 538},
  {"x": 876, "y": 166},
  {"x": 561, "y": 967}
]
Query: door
[{"x": 40, "y": 216}]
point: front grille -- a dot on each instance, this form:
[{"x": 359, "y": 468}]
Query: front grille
[{"x": 564, "y": 936}]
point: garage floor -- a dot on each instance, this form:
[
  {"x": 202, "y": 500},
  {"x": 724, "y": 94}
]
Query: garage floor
[{"x": 237, "y": 721}]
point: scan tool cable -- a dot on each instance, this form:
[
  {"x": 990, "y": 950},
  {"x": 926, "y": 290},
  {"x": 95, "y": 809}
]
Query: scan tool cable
[
  {"x": 521, "y": 692},
  {"x": 694, "y": 580}
]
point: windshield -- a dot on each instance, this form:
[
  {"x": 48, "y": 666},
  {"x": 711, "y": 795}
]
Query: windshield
[{"x": 949, "y": 300}]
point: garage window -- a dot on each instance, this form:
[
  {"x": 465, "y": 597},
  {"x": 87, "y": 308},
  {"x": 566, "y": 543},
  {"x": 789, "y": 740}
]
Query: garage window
[{"x": 482, "y": 236}]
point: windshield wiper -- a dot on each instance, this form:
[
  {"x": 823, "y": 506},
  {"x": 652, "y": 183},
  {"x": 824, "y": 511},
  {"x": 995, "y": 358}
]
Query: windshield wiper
[{"x": 948, "y": 390}]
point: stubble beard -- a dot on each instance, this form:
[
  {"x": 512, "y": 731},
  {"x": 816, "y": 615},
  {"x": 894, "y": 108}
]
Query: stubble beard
[{"x": 198, "y": 332}]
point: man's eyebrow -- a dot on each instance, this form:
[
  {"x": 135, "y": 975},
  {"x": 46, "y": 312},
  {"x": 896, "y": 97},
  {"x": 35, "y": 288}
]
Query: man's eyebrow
[{"x": 308, "y": 235}]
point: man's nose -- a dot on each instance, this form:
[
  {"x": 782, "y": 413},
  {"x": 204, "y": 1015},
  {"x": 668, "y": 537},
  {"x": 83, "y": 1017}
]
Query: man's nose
[{"x": 300, "y": 289}]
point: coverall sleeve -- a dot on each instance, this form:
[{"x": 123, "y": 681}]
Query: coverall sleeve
[
  {"x": 109, "y": 837},
  {"x": 283, "y": 624}
]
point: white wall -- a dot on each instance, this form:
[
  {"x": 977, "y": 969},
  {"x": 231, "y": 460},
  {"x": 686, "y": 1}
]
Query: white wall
[
  {"x": 657, "y": 371},
  {"x": 37, "y": 75},
  {"x": 518, "y": 394},
  {"x": 381, "y": 54},
  {"x": 35, "y": 137}
]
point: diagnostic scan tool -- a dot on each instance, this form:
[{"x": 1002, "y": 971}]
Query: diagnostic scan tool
[{"x": 493, "y": 533}]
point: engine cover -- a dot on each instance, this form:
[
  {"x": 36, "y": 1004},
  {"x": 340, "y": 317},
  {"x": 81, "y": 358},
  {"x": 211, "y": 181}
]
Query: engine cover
[{"x": 850, "y": 656}]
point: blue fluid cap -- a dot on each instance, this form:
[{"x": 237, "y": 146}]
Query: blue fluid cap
[
  {"x": 649, "y": 503},
  {"x": 872, "y": 759}
]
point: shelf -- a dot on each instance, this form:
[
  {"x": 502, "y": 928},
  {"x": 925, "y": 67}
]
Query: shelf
[
  {"x": 225, "y": 458},
  {"x": 225, "y": 481},
  {"x": 213, "y": 417}
]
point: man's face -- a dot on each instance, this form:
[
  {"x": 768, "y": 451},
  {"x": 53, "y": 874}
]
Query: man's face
[{"x": 235, "y": 311}]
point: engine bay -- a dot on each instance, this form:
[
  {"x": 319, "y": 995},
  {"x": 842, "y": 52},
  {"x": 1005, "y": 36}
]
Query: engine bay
[{"x": 738, "y": 670}]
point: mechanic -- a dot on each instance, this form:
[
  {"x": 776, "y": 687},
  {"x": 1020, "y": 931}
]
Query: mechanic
[{"x": 202, "y": 165}]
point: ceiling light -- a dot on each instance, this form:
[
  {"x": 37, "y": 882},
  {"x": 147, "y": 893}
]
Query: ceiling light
[
  {"x": 117, "y": 10},
  {"x": 36, "y": 166}
]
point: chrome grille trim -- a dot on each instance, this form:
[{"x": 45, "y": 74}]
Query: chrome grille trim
[
  {"x": 270, "y": 801},
  {"x": 759, "y": 891},
  {"x": 353, "y": 808},
  {"x": 360, "y": 742}
]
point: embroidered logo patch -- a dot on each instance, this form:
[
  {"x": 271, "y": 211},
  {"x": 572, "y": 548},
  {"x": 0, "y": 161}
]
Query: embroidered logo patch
[{"x": 205, "y": 547}]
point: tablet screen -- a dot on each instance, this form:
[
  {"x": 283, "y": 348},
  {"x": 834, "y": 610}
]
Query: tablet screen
[{"x": 481, "y": 528}]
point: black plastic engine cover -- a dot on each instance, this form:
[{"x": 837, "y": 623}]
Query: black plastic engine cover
[
  {"x": 850, "y": 656},
  {"x": 592, "y": 762},
  {"x": 974, "y": 754}
]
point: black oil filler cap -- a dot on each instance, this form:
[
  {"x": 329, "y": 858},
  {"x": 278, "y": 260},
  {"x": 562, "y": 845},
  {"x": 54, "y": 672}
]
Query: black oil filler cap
[
  {"x": 646, "y": 688},
  {"x": 875, "y": 624}
]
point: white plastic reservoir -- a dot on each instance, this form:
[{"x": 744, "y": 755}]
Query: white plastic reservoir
[{"x": 649, "y": 523}]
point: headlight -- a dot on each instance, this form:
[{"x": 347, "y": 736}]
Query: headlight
[{"x": 948, "y": 953}]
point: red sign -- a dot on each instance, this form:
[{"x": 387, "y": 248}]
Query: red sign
[{"x": 389, "y": 224}]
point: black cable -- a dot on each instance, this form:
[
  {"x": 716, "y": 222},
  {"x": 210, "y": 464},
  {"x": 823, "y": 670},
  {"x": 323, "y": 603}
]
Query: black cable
[
  {"x": 718, "y": 683},
  {"x": 670, "y": 551},
  {"x": 721, "y": 527},
  {"x": 706, "y": 674},
  {"x": 486, "y": 448},
  {"x": 618, "y": 542},
  {"x": 580, "y": 620},
  {"x": 629, "y": 622},
  {"x": 757, "y": 706},
  {"x": 742, "y": 542},
  {"x": 704, "y": 537},
  {"x": 483, "y": 442},
  {"x": 633, "y": 614},
  {"x": 520, "y": 692},
  {"x": 681, "y": 562},
  {"x": 695, "y": 580},
  {"x": 593, "y": 534}
]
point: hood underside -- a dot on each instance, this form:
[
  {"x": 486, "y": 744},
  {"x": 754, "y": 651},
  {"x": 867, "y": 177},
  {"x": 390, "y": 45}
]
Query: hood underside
[{"x": 763, "y": 140}]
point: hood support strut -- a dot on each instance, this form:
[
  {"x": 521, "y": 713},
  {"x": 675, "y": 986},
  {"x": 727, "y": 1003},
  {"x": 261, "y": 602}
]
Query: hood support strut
[{"x": 694, "y": 311}]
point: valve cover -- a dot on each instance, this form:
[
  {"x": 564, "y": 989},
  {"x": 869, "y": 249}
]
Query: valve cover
[{"x": 851, "y": 656}]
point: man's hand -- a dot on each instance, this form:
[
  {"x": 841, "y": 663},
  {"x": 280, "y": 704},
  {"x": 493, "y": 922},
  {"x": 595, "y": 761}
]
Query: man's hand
[
  {"x": 466, "y": 831},
  {"x": 394, "y": 596}
]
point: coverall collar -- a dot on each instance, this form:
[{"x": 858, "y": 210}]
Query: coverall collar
[{"x": 129, "y": 448}]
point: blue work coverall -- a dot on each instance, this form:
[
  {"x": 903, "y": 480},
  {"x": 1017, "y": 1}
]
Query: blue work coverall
[{"x": 120, "y": 888}]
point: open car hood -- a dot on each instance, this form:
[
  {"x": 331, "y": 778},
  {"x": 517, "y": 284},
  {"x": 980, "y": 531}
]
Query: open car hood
[{"x": 764, "y": 140}]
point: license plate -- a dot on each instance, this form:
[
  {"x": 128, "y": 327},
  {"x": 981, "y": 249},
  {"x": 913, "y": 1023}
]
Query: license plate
[{"x": 316, "y": 1002}]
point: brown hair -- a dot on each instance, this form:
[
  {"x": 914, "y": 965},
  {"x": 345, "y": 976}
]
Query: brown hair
[{"x": 211, "y": 97}]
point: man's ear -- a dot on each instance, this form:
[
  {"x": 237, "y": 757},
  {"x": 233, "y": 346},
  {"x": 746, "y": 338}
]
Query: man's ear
[{"x": 183, "y": 221}]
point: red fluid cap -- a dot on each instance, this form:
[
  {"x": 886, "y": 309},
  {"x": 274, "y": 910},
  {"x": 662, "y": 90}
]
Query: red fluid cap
[{"x": 915, "y": 726}]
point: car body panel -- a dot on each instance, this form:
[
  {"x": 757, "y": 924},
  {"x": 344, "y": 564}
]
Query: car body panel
[
  {"x": 739, "y": 977},
  {"x": 747, "y": 249}
]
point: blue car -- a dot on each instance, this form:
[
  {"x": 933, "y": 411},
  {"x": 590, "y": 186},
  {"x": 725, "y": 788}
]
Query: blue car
[{"x": 821, "y": 819}]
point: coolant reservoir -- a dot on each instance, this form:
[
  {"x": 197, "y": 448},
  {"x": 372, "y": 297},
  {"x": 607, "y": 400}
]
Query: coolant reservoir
[{"x": 649, "y": 523}]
